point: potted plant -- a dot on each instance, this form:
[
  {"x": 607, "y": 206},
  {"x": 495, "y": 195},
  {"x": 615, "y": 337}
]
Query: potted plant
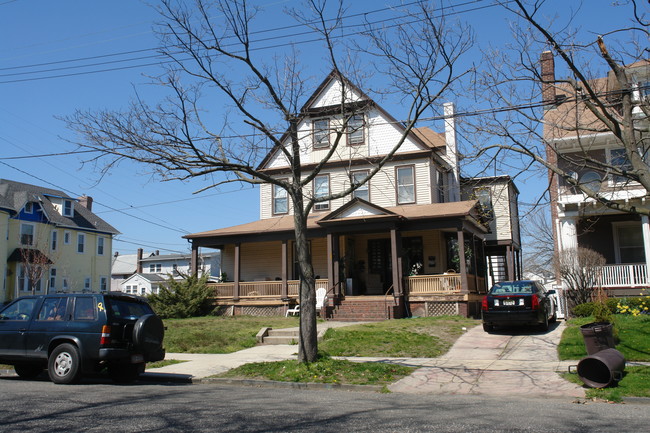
[{"x": 599, "y": 335}]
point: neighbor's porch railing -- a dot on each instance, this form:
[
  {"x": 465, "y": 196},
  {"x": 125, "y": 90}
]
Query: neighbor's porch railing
[
  {"x": 260, "y": 289},
  {"x": 623, "y": 276},
  {"x": 423, "y": 284}
]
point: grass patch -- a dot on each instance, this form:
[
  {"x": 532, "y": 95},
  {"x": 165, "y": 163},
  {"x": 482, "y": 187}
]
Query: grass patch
[
  {"x": 425, "y": 337},
  {"x": 635, "y": 383},
  {"x": 212, "y": 334},
  {"x": 633, "y": 338},
  {"x": 6, "y": 367},
  {"x": 163, "y": 363},
  {"x": 325, "y": 370}
]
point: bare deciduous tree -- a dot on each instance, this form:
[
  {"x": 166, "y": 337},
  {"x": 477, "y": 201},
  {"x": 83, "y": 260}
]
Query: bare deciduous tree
[
  {"x": 538, "y": 254},
  {"x": 215, "y": 60},
  {"x": 600, "y": 94},
  {"x": 580, "y": 270}
]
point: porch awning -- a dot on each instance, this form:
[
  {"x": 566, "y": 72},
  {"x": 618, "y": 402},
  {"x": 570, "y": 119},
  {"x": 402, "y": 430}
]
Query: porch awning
[
  {"x": 30, "y": 255},
  {"x": 464, "y": 211}
]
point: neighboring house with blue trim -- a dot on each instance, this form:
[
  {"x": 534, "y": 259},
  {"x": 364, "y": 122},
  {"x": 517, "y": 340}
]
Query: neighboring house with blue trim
[{"x": 52, "y": 242}]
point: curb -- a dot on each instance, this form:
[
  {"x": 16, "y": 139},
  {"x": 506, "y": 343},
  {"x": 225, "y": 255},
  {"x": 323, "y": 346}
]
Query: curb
[{"x": 292, "y": 385}]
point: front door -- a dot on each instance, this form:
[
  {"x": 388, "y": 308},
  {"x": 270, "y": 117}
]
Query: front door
[{"x": 380, "y": 267}]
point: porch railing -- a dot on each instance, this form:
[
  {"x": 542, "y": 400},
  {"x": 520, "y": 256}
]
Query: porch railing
[
  {"x": 261, "y": 289},
  {"x": 623, "y": 276},
  {"x": 422, "y": 284}
]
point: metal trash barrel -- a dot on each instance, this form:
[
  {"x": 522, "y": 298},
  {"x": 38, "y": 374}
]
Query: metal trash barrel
[
  {"x": 598, "y": 336},
  {"x": 602, "y": 369}
]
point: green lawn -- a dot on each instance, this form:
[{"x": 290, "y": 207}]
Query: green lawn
[{"x": 633, "y": 337}]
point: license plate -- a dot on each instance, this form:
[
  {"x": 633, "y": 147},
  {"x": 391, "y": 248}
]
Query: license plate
[
  {"x": 137, "y": 359},
  {"x": 509, "y": 302}
]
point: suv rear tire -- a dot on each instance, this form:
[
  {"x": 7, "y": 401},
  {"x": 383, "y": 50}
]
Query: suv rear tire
[
  {"x": 124, "y": 373},
  {"x": 63, "y": 365}
]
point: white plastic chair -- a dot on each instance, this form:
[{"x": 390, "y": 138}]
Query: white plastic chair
[
  {"x": 293, "y": 311},
  {"x": 321, "y": 298}
]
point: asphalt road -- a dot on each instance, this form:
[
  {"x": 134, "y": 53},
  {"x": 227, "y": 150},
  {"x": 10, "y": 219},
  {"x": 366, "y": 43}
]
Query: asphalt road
[{"x": 41, "y": 406}]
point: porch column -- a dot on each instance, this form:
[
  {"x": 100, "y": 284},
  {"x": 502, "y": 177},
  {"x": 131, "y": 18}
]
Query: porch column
[
  {"x": 194, "y": 260},
  {"x": 645, "y": 227},
  {"x": 463, "y": 265},
  {"x": 330, "y": 262},
  {"x": 511, "y": 262},
  {"x": 568, "y": 234},
  {"x": 336, "y": 262},
  {"x": 396, "y": 257},
  {"x": 235, "y": 293},
  {"x": 284, "y": 258}
]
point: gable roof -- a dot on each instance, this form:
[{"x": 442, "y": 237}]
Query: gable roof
[
  {"x": 17, "y": 194},
  {"x": 424, "y": 137}
]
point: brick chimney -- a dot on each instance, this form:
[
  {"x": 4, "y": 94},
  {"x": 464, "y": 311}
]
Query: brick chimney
[
  {"x": 138, "y": 268},
  {"x": 86, "y": 201},
  {"x": 548, "y": 78}
]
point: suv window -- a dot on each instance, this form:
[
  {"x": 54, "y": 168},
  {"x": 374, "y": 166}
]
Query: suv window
[
  {"x": 19, "y": 310},
  {"x": 52, "y": 309},
  {"x": 84, "y": 308},
  {"x": 126, "y": 308}
]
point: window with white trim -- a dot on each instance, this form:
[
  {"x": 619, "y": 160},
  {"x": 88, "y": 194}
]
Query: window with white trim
[
  {"x": 103, "y": 284},
  {"x": 618, "y": 158},
  {"x": 628, "y": 241},
  {"x": 155, "y": 267},
  {"x": 81, "y": 243},
  {"x": 280, "y": 200},
  {"x": 322, "y": 189},
  {"x": 29, "y": 207},
  {"x": 321, "y": 131},
  {"x": 67, "y": 237},
  {"x": 52, "y": 279},
  {"x": 54, "y": 240},
  {"x": 100, "y": 246},
  {"x": 27, "y": 234},
  {"x": 405, "y": 184},
  {"x": 87, "y": 283},
  {"x": 68, "y": 209},
  {"x": 363, "y": 191},
  {"x": 355, "y": 130}
]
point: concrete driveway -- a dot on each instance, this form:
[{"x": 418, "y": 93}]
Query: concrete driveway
[{"x": 508, "y": 362}]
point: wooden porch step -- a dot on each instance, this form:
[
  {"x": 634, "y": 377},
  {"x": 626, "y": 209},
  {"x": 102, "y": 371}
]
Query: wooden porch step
[{"x": 375, "y": 308}]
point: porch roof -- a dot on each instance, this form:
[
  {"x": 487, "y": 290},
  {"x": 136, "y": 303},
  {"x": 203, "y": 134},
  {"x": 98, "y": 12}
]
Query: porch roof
[{"x": 463, "y": 210}]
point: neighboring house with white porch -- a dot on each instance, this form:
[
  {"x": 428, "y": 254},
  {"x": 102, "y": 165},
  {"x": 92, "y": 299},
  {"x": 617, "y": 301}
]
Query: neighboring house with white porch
[{"x": 574, "y": 135}]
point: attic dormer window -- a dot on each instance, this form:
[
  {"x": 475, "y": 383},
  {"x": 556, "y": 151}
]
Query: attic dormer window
[
  {"x": 29, "y": 208},
  {"x": 67, "y": 208}
]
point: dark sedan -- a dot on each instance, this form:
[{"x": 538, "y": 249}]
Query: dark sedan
[{"x": 518, "y": 303}]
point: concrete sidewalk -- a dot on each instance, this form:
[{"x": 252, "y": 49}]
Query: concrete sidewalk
[{"x": 478, "y": 363}]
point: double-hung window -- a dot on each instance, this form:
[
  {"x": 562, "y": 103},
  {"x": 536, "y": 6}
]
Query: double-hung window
[
  {"x": 405, "y": 184},
  {"x": 27, "y": 234},
  {"x": 54, "y": 241},
  {"x": 618, "y": 158},
  {"x": 68, "y": 210},
  {"x": 81, "y": 243},
  {"x": 280, "y": 200},
  {"x": 363, "y": 191},
  {"x": 100, "y": 246},
  {"x": 355, "y": 130},
  {"x": 321, "y": 133},
  {"x": 322, "y": 189}
]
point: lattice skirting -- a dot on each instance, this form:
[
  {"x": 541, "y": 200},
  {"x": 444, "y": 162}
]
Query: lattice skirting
[
  {"x": 260, "y": 311},
  {"x": 449, "y": 308}
]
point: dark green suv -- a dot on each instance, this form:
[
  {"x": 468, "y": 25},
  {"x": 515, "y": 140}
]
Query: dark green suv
[{"x": 79, "y": 333}]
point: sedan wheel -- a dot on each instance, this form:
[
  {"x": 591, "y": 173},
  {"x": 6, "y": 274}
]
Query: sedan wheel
[{"x": 63, "y": 364}]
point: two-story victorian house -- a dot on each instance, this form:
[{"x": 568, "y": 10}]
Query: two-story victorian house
[
  {"x": 577, "y": 141},
  {"x": 51, "y": 242},
  {"x": 403, "y": 243}
]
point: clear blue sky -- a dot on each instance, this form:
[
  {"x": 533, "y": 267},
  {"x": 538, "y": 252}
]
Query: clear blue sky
[{"x": 148, "y": 213}]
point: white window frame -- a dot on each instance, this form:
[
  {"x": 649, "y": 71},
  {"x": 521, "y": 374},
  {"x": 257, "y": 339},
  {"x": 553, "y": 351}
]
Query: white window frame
[
  {"x": 321, "y": 135},
  {"x": 279, "y": 194},
  {"x": 323, "y": 205},
  {"x": 356, "y": 130},
  {"x": 103, "y": 284},
  {"x": 100, "y": 245},
  {"x": 52, "y": 280},
  {"x": 88, "y": 283},
  {"x": 29, "y": 208},
  {"x": 33, "y": 234},
  {"x": 54, "y": 240},
  {"x": 67, "y": 208},
  {"x": 67, "y": 237},
  {"x": 412, "y": 185},
  {"x": 365, "y": 187},
  {"x": 81, "y": 243},
  {"x": 617, "y": 243}
]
